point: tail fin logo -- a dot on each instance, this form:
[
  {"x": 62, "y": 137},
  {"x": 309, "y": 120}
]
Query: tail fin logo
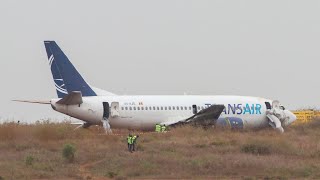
[
  {"x": 61, "y": 87},
  {"x": 51, "y": 60},
  {"x": 58, "y": 83}
]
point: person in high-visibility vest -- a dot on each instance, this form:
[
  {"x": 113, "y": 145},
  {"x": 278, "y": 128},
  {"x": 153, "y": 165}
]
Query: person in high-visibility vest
[
  {"x": 134, "y": 141},
  {"x": 130, "y": 142},
  {"x": 163, "y": 128},
  {"x": 158, "y": 128}
]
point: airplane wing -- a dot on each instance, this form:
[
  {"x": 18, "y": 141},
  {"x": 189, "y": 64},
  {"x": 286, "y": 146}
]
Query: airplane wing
[
  {"x": 205, "y": 117},
  {"x": 75, "y": 97}
]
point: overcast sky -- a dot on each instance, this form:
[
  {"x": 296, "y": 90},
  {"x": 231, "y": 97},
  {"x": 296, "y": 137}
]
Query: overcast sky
[{"x": 240, "y": 47}]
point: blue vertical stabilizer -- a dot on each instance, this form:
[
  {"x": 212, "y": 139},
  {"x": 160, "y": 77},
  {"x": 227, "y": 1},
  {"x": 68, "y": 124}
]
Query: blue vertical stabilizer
[{"x": 66, "y": 77}]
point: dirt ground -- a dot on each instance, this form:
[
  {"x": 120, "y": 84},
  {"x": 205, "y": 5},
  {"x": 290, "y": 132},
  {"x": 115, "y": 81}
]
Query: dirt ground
[{"x": 35, "y": 152}]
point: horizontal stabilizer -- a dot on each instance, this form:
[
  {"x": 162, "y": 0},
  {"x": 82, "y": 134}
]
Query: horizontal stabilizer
[
  {"x": 32, "y": 101},
  {"x": 75, "y": 97}
]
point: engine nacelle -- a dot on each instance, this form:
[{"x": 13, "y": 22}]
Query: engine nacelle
[{"x": 230, "y": 122}]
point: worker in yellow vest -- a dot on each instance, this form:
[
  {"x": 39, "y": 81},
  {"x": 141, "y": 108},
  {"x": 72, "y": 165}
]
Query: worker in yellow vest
[
  {"x": 158, "y": 128},
  {"x": 163, "y": 128},
  {"x": 130, "y": 142},
  {"x": 134, "y": 142}
]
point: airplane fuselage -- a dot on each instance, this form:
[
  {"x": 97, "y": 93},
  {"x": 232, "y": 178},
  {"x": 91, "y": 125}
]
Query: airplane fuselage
[{"x": 143, "y": 112}]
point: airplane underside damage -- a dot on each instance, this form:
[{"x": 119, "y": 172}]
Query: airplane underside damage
[
  {"x": 82, "y": 125},
  {"x": 86, "y": 125},
  {"x": 275, "y": 122},
  {"x": 277, "y": 117}
]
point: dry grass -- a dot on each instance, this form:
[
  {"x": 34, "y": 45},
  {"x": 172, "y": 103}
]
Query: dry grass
[{"x": 35, "y": 152}]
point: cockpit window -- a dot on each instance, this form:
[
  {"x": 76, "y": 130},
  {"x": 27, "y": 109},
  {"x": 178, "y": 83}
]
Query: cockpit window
[{"x": 268, "y": 105}]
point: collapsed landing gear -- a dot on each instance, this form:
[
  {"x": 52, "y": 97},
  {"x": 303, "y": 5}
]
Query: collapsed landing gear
[{"x": 84, "y": 125}]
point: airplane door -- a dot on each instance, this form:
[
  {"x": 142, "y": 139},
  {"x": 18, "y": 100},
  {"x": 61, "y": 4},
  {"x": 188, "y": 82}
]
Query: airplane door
[
  {"x": 115, "y": 109},
  {"x": 194, "y": 109},
  {"x": 106, "y": 110}
]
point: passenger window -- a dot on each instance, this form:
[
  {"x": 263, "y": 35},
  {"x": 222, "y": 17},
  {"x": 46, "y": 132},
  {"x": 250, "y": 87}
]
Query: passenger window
[
  {"x": 165, "y": 108},
  {"x": 122, "y": 108},
  {"x": 190, "y": 108},
  {"x": 169, "y": 107},
  {"x": 198, "y": 107},
  {"x": 134, "y": 108},
  {"x": 138, "y": 108},
  {"x": 161, "y": 108},
  {"x": 177, "y": 107},
  {"x": 146, "y": 108},
  {"x": 158, "y": 108},
  {"x": 142, "y": 108},
  {"x": 173, "y": 108},
  {"x": 130, "y": 108},
  {"x": 154, "y": 108},
  {"x": 185, "y": 108},
  {"x": 126, "y": 108},
  {"x": 181, "y": 108}
]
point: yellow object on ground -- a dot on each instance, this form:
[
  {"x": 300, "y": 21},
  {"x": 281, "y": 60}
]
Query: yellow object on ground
[{"x": 304, "y": 116}]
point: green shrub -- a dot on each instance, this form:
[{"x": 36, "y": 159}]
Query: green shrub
[
  {"x": 68, "y": 152},
  {"x": 29, "y": 160}
]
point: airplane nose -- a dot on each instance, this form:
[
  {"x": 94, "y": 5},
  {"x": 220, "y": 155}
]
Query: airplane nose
[{"x": 291, "y": 117}]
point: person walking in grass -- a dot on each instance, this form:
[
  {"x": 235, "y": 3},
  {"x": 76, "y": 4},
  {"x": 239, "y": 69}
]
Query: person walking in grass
[
  {"x": 158, "y": 128},
  {"x": 163, "y": 128},
  {"x": 130, "y": 142},
  {"x": 134, "y": 139}
]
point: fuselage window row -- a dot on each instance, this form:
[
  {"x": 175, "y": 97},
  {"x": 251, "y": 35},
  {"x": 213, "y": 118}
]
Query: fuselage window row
[{"x": 158, "y": 108}]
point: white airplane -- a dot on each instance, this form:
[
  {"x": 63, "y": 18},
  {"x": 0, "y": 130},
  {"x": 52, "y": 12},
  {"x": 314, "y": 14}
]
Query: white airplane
[{"x": 94, "y": 106}]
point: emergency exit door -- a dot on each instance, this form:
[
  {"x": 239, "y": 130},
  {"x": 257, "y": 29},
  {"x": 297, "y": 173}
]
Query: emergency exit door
[
  {"x": 106, "y": 110},
  {"x": 194, "y": 109},
  {"x": 115, "y": 109}
]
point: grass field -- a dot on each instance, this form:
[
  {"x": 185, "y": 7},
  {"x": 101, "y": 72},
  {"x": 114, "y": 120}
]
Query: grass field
[{"x": 35, "y": 152}]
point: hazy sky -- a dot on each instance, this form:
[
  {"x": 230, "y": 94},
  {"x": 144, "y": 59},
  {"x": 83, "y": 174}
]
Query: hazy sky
[{"x": 239, "y": 47}]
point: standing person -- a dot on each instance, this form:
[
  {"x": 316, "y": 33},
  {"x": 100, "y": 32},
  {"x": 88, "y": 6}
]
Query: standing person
[
  {"x": 163, "y": 128},
  {"x": 134, "y": 139},
  {"x": 158, "y": 128},
  {"x": 130, "y": 142}
]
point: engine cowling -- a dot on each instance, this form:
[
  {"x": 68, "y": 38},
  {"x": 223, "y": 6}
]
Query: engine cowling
[{"x": 230, "y": 122}]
